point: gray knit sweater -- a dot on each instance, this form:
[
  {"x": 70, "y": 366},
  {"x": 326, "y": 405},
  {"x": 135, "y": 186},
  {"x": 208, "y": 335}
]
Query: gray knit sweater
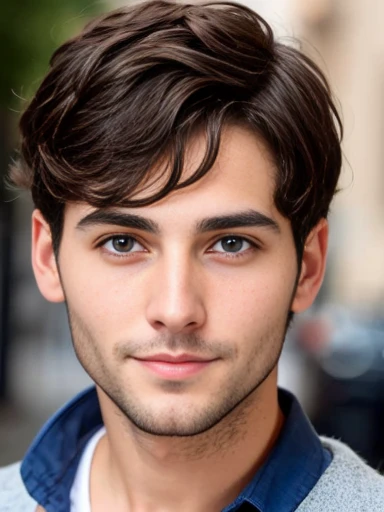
[{"x": 348, "y": 485}]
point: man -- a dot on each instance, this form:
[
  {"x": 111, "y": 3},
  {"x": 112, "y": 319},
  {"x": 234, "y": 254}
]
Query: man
[{"x": 182, "y": 163}]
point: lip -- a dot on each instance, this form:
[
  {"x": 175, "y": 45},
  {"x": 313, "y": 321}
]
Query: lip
[
  {"x": 170, "y": 358},
  {"x": 175, "y": 367}
]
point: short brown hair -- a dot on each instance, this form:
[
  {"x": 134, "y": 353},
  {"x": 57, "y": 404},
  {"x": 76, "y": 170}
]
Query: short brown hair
[{"x": 122, "y": 99}]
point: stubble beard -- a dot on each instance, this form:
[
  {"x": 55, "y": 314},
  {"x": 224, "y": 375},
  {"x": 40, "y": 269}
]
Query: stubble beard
[{"x": 227, "y": 409}]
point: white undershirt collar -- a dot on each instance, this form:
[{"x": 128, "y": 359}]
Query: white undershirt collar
[{"x": 79, "y": 496}]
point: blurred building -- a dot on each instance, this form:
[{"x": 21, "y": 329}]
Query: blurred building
[{"x": 349, "y": 42}]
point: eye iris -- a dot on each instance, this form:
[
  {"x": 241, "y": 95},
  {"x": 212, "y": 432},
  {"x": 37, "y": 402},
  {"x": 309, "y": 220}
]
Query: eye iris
[
  {"x": 232, "y": 244},
  {"x": 122, "y": 244}
]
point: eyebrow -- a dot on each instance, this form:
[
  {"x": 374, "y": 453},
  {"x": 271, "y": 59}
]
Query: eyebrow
[
  {"x": 126, "y": 220},
  {"x": 248, "y": 218},
  {"x": 251, "y": 218}
]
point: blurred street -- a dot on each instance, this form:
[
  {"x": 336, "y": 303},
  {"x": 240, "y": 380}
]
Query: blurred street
[{"x": 43, "y": 374}]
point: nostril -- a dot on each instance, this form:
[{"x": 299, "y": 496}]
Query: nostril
[{"x": 158, "y": 325}]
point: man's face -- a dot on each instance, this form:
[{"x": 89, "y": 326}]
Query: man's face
[{"x": 179, "y": 315}]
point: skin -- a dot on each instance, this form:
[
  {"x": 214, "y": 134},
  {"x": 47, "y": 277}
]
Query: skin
[{"x": 182, "y": 290}]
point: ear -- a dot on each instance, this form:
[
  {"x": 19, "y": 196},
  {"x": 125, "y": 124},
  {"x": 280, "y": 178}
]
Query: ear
[
  {"x": 312, "y": 267},
  {"x": 43, "y": 260}
]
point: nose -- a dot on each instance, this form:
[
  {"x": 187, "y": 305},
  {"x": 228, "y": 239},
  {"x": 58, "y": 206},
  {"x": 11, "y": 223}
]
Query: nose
[{"x": 175, "y": 296}]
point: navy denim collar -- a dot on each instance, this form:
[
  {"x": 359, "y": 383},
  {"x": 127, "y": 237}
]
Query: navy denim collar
[
  {"x": 289, "y": 473},
  {"x": 293, "y": 467},
  {"x": 50, "y": 465}
]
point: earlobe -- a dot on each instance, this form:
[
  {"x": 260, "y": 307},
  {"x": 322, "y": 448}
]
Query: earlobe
[
  {"x": 43, "y": 260},
  {"x": 312, "y": 268}
]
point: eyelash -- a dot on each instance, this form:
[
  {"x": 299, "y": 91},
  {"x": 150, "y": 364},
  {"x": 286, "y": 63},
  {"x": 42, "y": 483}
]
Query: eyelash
[
  {"x": 253, "y": 246},
  {"x": 104, "y": 241},
  {"x": 232, "y": 255}
]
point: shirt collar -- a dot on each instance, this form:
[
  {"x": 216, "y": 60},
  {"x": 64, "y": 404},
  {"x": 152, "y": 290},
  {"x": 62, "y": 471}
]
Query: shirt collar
[
  {"x": 289, "y": 473},
  {"x": 292, "y": 468},
  {"x": 50, "y": 464}
]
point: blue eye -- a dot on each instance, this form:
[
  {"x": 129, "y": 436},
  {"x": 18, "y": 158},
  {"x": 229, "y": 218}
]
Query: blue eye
[
  {"x": 231, "y": 244},
  {"x": 122, "y": 244}
]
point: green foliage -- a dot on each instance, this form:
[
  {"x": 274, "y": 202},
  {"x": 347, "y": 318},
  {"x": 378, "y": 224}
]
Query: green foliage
[{"x": 30, "y": 30}]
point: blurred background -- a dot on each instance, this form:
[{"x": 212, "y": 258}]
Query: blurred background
[{"x": 334, "y": 354}]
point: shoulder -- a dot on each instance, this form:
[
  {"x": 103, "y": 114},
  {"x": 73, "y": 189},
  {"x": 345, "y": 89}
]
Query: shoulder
[
  {"x": 348, "y": 484},
  {"x": 13, "y": 495}
]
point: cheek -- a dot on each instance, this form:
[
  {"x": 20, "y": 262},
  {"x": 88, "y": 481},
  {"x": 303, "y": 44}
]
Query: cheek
[
  {"x": 252, "y": 308},
  {"x": 255, "y": 295},
  {"x": 104, "y": 301}
]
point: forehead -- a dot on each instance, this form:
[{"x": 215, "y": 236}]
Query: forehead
[{"x": 242, "y": 178}]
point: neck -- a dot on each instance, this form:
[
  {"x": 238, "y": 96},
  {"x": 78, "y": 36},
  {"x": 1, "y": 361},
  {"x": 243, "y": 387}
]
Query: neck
[{"x": 133, "y": 470}]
